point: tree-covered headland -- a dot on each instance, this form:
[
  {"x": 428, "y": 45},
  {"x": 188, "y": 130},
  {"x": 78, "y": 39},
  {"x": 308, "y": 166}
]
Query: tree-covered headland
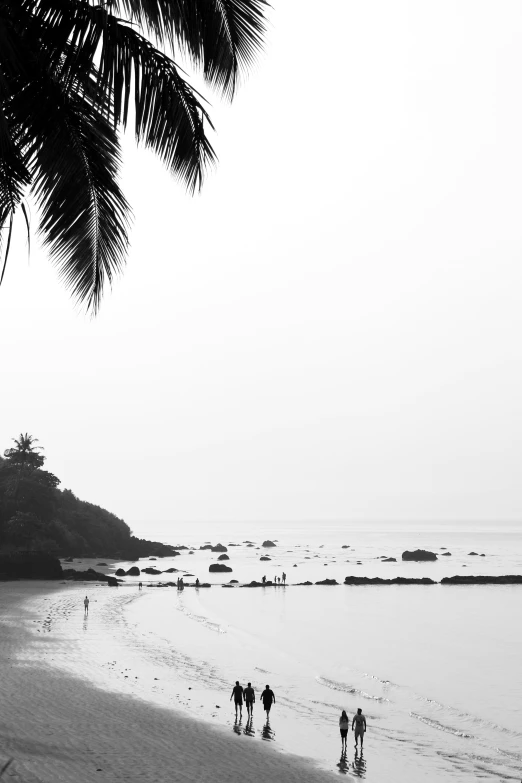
[{"x": 36, "y": 515}]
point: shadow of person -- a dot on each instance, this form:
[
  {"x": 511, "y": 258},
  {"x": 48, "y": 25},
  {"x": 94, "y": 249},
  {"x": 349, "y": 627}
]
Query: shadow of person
[
  {"x": 359, "y": 765},
  {"x": 267, "y": 733},
  {"x": 249, "y": 728}
]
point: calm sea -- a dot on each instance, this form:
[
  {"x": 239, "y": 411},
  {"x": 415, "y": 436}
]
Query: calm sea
[{"x": 436, "y": 669}]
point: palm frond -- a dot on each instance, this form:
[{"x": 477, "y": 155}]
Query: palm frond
[
  {"x": 169, "y": 115},
  {"x": 75, "y": 155},
  {"x": 223, "y": 37}
]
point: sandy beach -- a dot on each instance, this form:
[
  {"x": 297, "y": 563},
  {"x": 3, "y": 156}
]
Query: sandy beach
[{"x": 62, "y": 721}]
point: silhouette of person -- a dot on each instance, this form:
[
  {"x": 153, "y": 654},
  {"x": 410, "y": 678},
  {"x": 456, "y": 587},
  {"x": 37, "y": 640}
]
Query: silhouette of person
[
  {"x": 86, "y": 605},
  {"x": 267, "y": 697},
  {"x": 197, "y": 582},
  {"x": 237, "y": 695},
  {"x": 359, "y": 721},
  {"x": 140, "y": 586},
  {"x": 344, "y": 725},
  {"x": 284, "y": 579},
  {"x": 250, "y": 698},
  {"x": 263, "y": 579}
]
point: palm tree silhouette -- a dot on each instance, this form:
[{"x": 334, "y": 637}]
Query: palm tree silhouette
[{"x": 74, "y": 72}]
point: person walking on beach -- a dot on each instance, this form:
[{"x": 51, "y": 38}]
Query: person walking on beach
[
  {"x": 140, "y": 586},
  {"x": 250, "y": 698},
  {"x": 86, "y": 605},
  {"x": 237, "y": 693},
  {"x": 267, "y": 697},
  {"x": 344, "y": 725},
  {"x": 359, "y": 721}
]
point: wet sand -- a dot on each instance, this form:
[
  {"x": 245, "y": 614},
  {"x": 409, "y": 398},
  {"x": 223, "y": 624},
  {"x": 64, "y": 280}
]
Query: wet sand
[{"x": 61, "y": 720}]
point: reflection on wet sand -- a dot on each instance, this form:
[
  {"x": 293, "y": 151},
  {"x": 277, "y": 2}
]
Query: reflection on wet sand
[
  {"x": 359, "y": 765},
  {"x": 237, "y": 726},
  {"x": 249, "y": 728},
  {"x": 343, "y": 765},
  {"x": 267, "y": 733}
]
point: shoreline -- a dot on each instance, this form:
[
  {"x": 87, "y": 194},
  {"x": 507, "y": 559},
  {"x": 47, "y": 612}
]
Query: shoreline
[{"x": 60, "y": 725}]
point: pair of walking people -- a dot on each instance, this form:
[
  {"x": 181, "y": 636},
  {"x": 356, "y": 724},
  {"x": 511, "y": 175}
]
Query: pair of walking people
[
  {"x": 358, "y": 726},
  {"x": 248, "y": 696}
]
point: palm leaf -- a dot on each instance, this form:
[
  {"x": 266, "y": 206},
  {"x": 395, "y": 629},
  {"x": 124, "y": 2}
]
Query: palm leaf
[
  {"x": 169, "y": 116},
  {"x": 221, "y": 36},
  {"x": 75, "y": 156}
]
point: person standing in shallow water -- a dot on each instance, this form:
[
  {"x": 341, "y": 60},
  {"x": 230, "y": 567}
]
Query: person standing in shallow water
[
  {"x": 237, "y": 693},
  {"x": 359, "y": 721},
  {"x": 284, "y": 579},
  {"x": 86, "y": 605},
  {"x": 344, "y": 725},
  {"x": 267, "y": 697}
]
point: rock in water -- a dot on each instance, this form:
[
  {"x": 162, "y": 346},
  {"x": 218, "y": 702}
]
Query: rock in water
[
  {"x": 376, "y": 580},
  {"x": 223, "y": 557},
  {"x": 219, "y": 548},
  {"x": 268, "y": 543},
  {"x": 419, "y": 554},
  {"x": 219, "y": 567},
  {"x": 508, "y": 579},
  {"x": 327, "y": 582},
  {"x": 265, "y": 558},
  {"x": 134, "y": 571}
]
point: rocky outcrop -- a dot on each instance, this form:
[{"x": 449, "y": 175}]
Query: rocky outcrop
[
  {"x": 419, "y": 554},
  {"x": 206, "y": 546},
  {"x": 258, "y": 584},
  {"x": 265, "y": 558},
  {"x": 121, "y": 572},
  {"x": 268, "y": 543},
  {"x": 29, "y": 565},
  {"x": 473, "y": 553},
  {"x": 508, "y": 579},
  {"x": 446, "y": 554},
  {"x": 223, "y": 557},
  {"x": 219, "y": 548},
  {"x": 88, "y": 576},
  {"x": 327, "y": 582},
  {"x": 171, "y": 571},
  {"x": 134, "y": 571},
  {"x": 389, "y": 560},
  {"x": 376, "y": 580},
  {"x": 112, "y": 581},
  {"x": 304, "y": 584},
  {"x": 219, "y": 568},
  {"x": 150, "y": 570}
]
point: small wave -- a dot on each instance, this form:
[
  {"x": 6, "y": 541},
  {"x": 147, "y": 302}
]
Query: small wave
[
  {"x": 345, "y": 688},
  {"x": 434, "y": 724},
  {"x": 483, "y": 722},
  {"x": 216, "y": 627},
  {"x": 378, "y": 679}
]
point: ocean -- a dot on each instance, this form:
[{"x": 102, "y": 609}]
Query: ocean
[{"x": 434, "y": 668}]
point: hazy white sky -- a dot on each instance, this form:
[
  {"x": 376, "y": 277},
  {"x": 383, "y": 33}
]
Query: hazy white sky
[{"x": 333, "y": 328}]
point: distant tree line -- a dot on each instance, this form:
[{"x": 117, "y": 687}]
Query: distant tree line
[{"x": 36, "y": 515}]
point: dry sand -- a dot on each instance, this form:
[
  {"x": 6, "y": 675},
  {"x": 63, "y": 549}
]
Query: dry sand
[{"x": 59, "y": 726}]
